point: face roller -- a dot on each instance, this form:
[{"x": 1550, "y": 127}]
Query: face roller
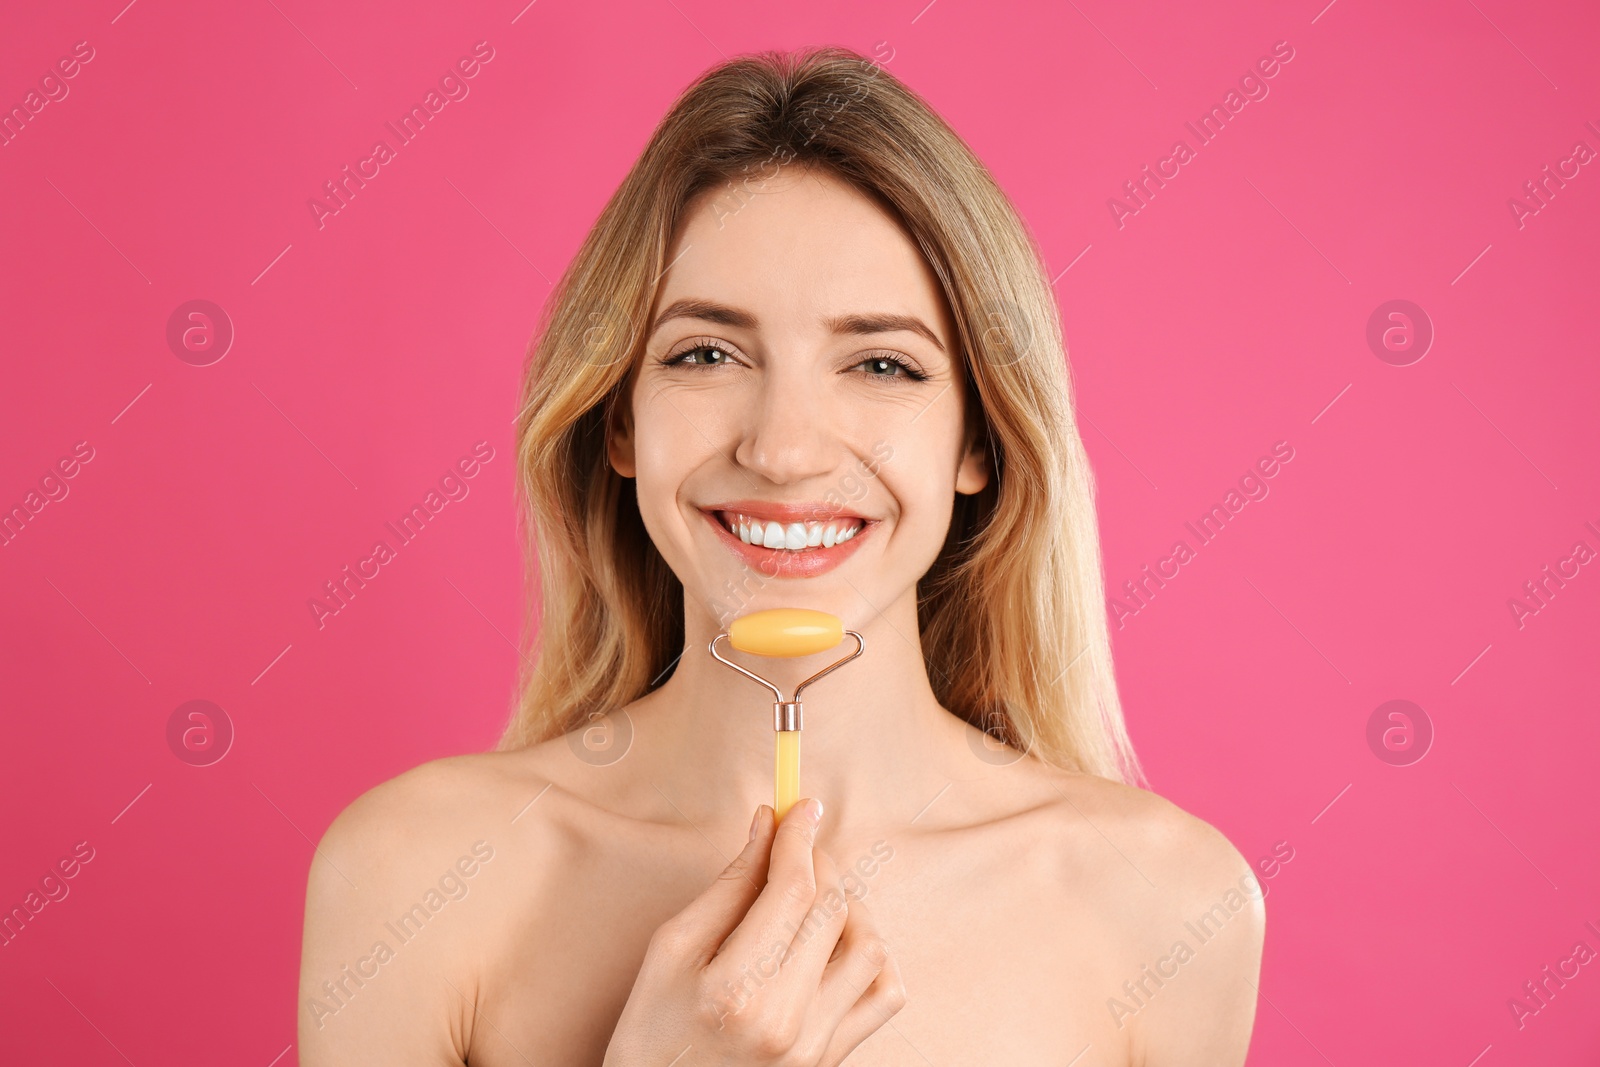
[{"x": 787, "y": 632}]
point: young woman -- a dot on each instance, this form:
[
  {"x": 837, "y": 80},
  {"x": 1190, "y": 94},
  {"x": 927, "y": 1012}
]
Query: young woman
[{"x": 807, "y": 357}]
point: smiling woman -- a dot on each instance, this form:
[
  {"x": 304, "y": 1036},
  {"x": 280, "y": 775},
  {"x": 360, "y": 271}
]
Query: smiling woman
[{"x": 850, "y": 395}]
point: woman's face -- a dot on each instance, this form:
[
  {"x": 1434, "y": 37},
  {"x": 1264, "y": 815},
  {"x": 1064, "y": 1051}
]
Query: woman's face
[{"x": 796, "y": 426}]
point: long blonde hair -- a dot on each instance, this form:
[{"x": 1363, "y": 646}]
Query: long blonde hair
[{"x": 1012, "y": 612}]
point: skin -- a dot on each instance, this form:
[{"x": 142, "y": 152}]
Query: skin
[{"x": 970, "y": 905}]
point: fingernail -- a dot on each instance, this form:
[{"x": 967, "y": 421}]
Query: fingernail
[
  {"x": 755, "y": 823},
  {"x": 815, "y": 810}
]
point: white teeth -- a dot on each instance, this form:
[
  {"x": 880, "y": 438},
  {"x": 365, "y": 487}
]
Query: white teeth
[{"x": 794, "y": 536}]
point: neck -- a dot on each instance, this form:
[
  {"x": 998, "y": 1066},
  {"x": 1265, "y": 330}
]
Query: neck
[{"x": 876, "y": 744}]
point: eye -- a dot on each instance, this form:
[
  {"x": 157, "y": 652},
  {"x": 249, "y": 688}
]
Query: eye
[
  {"x": 891, "y": 365},
  {"x": 706, "y": 352},
  {"x": 681, "y": 358}
]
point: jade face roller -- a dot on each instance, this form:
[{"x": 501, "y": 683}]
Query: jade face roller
[{"x": 787, "y": 632}]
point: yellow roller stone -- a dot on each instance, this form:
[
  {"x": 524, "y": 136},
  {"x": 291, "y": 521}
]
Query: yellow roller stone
[{"x": 786, "y": 632}]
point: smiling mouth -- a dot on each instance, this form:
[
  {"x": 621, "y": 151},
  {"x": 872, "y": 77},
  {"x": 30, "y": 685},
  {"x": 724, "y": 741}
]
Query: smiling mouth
[{"x": 789, "y": 536}]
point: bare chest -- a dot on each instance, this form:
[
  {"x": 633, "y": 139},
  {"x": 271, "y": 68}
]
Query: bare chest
[{"x": 999, "y": 964}]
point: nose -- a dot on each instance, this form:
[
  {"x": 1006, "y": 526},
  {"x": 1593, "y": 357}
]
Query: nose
[{"x": 787, "y": 434}]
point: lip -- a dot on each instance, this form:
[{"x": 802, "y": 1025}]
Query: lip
[
  {"x": 785, "y": 513},
  {"x": 781, "y": 562}
]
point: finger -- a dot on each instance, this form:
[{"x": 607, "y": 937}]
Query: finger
[
  {"x": 885, "y": 997},
  {"x": 790, "y": 890},
  {"x": 861, "y": 989},
  {"x": 701, "y": 928},
  {"x": 862, "y": 957},
  {"x": 792, "y": 1002},
  {"x": 820, "y": 927}
]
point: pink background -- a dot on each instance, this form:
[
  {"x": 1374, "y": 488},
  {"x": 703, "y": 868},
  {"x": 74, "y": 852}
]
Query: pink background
[{"x": 371, "y": 354}]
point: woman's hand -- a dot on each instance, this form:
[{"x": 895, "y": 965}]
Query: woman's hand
[{"x": 747, "y": 975}]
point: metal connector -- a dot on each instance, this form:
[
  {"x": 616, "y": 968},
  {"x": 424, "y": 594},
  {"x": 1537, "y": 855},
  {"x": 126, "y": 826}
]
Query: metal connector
[{"x": 788, "y": 715}]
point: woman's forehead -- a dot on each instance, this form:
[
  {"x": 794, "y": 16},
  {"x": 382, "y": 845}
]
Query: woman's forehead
[{"x": 800, "y": 250}]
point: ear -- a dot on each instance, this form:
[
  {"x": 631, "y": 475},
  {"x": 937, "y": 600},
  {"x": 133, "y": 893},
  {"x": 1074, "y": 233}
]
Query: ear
[
  {"x": 973, "y": 474},
  {"x": 619, "y": 438}
]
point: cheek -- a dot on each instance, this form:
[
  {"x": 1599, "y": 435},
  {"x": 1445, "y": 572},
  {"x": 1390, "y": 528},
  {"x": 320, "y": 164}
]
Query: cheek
[
  {"x": 666, "y": 450},
  {"x": 919, "y": 474},
  {"x": 922, "y": 498}
]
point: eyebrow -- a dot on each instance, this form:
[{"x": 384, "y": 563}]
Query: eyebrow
[{"x": 860, "y": 324}]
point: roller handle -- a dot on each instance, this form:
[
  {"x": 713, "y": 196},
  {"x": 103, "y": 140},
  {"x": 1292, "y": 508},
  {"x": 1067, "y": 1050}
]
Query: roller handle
[{"x": 786, "y": 777}]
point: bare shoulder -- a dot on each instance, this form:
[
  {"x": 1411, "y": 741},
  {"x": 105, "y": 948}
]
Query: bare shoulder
[
  {"x": 442, "y": 796},
  {"x": 1179, "y": 851},
  {"x": 1189, "y": 922},
  {"x": 408, "y": 877}
]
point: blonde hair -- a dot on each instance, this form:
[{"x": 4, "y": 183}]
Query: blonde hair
[{"x": 1012, "y": 612}]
